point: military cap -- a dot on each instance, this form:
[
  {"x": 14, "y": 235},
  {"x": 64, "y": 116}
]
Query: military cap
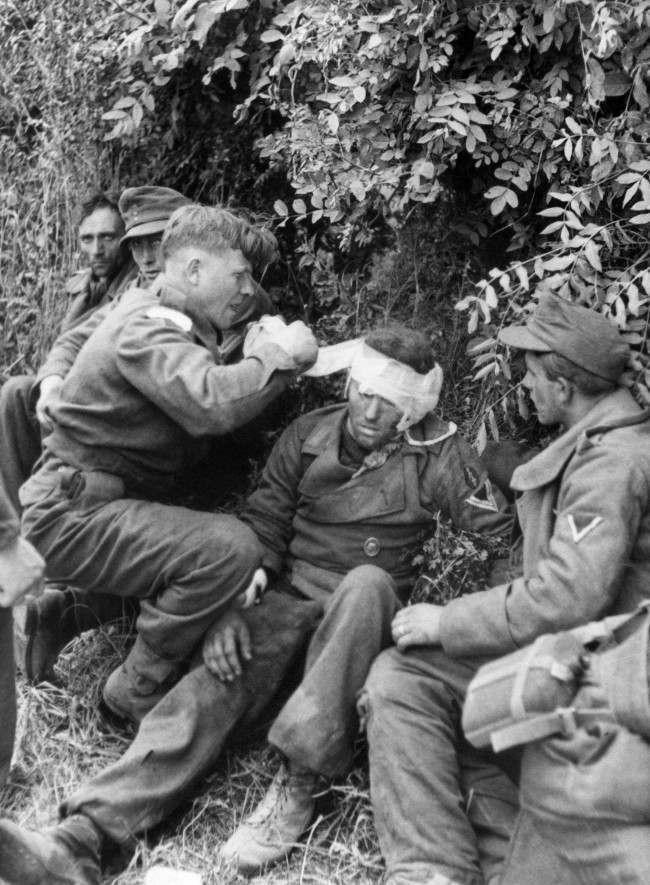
[
  {"x": 146, "y": 210},
  {"x": 585, "y": 337}
]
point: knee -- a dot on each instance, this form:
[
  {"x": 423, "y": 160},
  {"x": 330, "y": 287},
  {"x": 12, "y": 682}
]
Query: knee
[
  {"x": 16, "y": 393},
  {"x": 369, "y": 586},
  {"x": 232, "y": 535},
  {"x": 385, "y": 683}
]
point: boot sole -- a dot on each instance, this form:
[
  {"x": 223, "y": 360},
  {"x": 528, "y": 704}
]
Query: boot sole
[{"x": 20, "y": 866}]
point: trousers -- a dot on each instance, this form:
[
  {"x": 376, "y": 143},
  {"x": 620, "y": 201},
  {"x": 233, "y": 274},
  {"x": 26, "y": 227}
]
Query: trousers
[
  {"x": 180, "y": 740},
  {"x": 20, "y": 434},
  {"x": 7, "y": 693},
  {"x": 185, "y": 566},
  {"x": 444, "y": 811},
  {"x": 318, "y": 725},
  {"x": 585, "y": 816}
]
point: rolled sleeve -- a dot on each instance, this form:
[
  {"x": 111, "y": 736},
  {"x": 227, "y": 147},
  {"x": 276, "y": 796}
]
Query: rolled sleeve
[{"x": 181, "y": 377}]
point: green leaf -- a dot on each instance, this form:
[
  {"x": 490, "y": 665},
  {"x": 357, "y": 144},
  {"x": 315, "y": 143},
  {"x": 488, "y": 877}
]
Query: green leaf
[
  {"x": 280, "y": 208},
  {"x": 343, "y": 81},
  {"x": 592, "y": 256},
  {"x": 559, "y": 262},
  {"x": 299, "y": 206},
  {"x": 271, "y": 36},
  {"x": 332, "y": 123},
  {"x": 641, "y": 219}
]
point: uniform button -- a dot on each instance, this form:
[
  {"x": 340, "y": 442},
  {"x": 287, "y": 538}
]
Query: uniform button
[{"x": 371, "y": 546}]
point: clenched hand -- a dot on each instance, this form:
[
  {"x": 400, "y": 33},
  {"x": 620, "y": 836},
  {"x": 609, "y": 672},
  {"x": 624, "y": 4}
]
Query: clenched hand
[{"x": 227, "y": 646}]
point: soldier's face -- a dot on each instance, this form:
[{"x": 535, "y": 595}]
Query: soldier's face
[
  {"x": 99, "y": 241},
  {"x": 372, "y": 420},
  {"x": 223, "y": 283},
  {"x": 146, "y": 254},
  {"x": 544, "y": 391}
]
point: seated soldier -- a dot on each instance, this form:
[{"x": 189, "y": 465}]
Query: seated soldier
[
  {"x": 110, "y": 269},
  {"x": 135, "y": 411},
  {"x": 584, "y": 511},
  {"x": 344, "y": 499},
  {"x": 45, "y": 625}
]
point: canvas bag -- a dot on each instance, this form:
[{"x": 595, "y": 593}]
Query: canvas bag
[{"x": 595, "y": 673}]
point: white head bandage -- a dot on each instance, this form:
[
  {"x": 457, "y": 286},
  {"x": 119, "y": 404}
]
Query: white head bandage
[{"x": 415, "y": 395}]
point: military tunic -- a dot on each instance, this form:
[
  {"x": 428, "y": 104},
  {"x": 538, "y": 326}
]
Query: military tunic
[
  {"x": 134, "y": 412},
  {"x": 21, "y": 433},
  {"x": 320, "y": 518},
  {"x": 584, "y": 510}
]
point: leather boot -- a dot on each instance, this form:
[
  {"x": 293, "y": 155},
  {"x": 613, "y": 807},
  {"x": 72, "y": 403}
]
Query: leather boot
[
  {"x": 45, "y": 625},
  {"x": 67, "y": 854},
  {"x": 135, "y": 687},
  {"x": 270, "y": 833}
]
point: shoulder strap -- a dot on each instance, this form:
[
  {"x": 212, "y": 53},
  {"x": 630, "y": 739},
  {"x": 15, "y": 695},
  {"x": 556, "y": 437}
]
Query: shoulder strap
[{"x": 159, "y": 311}]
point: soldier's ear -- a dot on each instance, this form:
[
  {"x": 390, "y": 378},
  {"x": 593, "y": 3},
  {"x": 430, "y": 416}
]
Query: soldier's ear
[
  {"x": 193, "y": 270},
  {"x": 565, "y": 389}
]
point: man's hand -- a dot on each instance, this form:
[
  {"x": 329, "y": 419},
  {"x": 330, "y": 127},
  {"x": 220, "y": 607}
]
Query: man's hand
[
  {"x": 417, "y": 625},
  {"x": 21, "y": 572},
  {"x": 302, "y": 345},
  {"x": 49, "y": 393},
  {"x": 296, "y": 340},
  {"x": 226, "y": 645}
]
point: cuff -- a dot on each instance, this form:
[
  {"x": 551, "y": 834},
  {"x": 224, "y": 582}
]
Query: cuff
[
  {"x": 52, "y": 367},
  {"x": 272, "y": 562},
  {"x": 9, "y": 531},
  {"x": 477, "y": 624},
  {"x": 273, "y": 359}
]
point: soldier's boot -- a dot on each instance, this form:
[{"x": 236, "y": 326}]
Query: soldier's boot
[
  {"x": 135, "y": 687},
  {"x": 270, "y": 833},
  {"x": 45, "y": 625},
  {"x": 67, "y": 854}
]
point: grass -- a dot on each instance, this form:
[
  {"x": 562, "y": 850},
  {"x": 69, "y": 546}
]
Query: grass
[{"x": 62, "y": 740}]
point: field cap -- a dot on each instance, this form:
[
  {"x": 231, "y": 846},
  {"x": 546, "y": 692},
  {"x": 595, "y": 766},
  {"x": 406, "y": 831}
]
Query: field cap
[
  {"x": 580, "y": 334},
  {"x": 146, "y": 210}
]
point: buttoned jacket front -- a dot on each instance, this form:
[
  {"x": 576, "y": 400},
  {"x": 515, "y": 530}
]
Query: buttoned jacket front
[{"x": 316, "y": 515}]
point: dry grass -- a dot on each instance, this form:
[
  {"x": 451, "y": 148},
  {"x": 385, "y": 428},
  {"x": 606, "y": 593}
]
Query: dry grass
[{"x": 62, "y": 740}]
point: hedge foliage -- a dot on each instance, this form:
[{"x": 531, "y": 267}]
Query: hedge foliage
[{"x": 438, "y": 152}]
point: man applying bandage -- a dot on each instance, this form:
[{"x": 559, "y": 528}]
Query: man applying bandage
[{"x": 342, "y": 501}]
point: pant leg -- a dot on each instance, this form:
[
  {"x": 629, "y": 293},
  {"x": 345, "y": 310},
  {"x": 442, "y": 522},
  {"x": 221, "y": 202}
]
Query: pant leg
[
  {"x": 179, "y": 741},
  {"x": 20, "y": 434},
  {"x": 586, "y": 796},
  {"x": 425, "y": 782},
  {"x": 577, "y": 852},
  {"x": 184, "y": 565},
  {"x": 7, "y": 693},
  {"x": 317, "y": 726}
]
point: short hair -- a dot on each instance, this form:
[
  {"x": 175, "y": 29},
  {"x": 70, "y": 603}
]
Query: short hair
[
  {"x": 557, "y": 366},
  {"x": 213, "y": 229},
  {"x": 97, "y": 200},
  {"x": 409, "y": 346}
]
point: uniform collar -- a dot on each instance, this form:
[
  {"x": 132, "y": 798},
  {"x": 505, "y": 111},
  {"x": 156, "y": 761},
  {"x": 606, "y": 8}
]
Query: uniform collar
[{"x": 614, "y": 410}]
